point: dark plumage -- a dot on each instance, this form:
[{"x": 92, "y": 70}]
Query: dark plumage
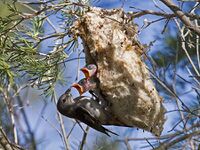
[{"x": 84, "y": 109}]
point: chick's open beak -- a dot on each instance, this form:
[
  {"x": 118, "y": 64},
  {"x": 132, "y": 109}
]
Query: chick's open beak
[
  {"x": 86, "y": 72},
  {"x": 78, "y": 87}
]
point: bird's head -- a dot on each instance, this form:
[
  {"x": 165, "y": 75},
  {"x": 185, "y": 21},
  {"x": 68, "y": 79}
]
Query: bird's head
[
  {"x": 84, "y": 85},
  {"x": 89, "y": 70},
  {"x": 81, "y": 86},
  {"x": 65, "y": 99}
]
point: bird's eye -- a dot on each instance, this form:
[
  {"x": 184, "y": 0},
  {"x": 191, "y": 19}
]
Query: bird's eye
[
  {"x": 81, "y": 82},
  {"x": 64, "y": 100},
  {"x": 92, "y": 67}
]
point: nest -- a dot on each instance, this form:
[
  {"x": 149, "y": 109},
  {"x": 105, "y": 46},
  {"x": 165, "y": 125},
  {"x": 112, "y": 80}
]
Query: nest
[{"x": 110, "y": 42}]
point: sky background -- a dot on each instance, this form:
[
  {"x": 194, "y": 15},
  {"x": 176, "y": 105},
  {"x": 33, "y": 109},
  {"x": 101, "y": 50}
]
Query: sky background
[{"x": 41, "y": 108}]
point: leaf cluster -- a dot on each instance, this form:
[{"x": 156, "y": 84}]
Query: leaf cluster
[{"x": 21, "y": 39}]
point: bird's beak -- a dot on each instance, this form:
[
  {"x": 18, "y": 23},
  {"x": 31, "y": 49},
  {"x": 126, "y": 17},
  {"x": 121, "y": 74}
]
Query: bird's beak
[
  {"x": 86, "y": 72},
  {"x": 78, "y": 87},
  {"x": 68, "y": 91}
]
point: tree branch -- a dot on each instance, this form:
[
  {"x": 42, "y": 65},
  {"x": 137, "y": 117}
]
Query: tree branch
[
  {"x": 61, "y": 122},
  {"x": 5, "y": 143},
  {"x": 161, "y": 14},
  {"x": 84, "y": 137},
  {"x": 9, "y": 105},
  {"x": 181, "y": 15},
  {"x": 167, "y": 145}
]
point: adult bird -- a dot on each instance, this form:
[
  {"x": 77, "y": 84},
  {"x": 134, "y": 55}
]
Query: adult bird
[
  {"x": 85, "y": 110},
  {"x": 89, "y": 70}
]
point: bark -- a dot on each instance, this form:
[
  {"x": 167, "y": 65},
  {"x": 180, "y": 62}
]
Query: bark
[
  {"x": 182, "y": 16},
  {"x": 5, "y": 144},
  {"x": 110, "y": 42}
]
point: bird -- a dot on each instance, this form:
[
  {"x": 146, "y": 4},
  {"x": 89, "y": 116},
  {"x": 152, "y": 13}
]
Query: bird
[
  {"x": 85, "y": 85},
  {"x": 89, "y": 70},
  {"x": 90, "y": 85},
  {"x": 86, "y": 110}
]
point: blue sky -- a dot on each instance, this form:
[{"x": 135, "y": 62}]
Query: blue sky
[{"x": 47, "y": 136}]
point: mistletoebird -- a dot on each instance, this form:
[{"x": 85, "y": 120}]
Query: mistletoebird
[
  {"x": 86, "y": 110},
  {"x": 89, "y": 70},
  {"x": 85, "y": 85},
  {"x": 88, "y": 83}
]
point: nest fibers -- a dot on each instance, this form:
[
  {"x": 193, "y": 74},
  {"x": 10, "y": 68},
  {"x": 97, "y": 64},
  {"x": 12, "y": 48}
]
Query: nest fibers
[{"x": 110, "y": 42}]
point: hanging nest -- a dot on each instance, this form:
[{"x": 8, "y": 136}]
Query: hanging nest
[{"x": 110, "y": 42}]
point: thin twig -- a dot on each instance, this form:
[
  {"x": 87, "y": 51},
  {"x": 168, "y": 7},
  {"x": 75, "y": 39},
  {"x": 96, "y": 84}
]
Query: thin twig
[
  {"x": 11, "y": 113},
  {"x": 177, "y": 140},
  {"x": 168, "y": 89},
  {"x": 150, "y": 143},
  {"x": 192, "y": 76},
  {"x": 5, "y": 143},
  {"x": 78, "y": 67},
  {"x": 174, "y": 90},
  {"x": 181, "y": 15},
  {"x": 25, "y": 117},
  {"x": 197, "y": 46},
  {"x": 171, "y": 136},
  {"x": 157, "y": 13},
  {"x": 52, "y": 125},
  {"x": 72, "y": 59},
  {"x": 61, "y": 122},
  {"x": 71, "y": 129},
  {"x": 127, "y": 144},
  {"x": 84, "y": 137},
  {"x": 184, "y": 47}
]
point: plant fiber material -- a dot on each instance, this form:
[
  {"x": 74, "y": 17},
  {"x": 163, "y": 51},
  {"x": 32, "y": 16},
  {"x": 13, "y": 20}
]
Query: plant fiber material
[{"x": 110, "y": 42}]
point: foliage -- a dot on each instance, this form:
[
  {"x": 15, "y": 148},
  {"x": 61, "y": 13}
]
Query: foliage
[
  {"x": 21, "y": 39},
  {"x": 34, "y": 47}
]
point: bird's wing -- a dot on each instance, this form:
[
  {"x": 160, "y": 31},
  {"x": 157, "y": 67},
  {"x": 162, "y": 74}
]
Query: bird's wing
[
  {"x": 88, "y": 105},
  {"x": 85, "y": 116},
  {"x": 80, "y": 98},
  {"x": 79, "y": 106},
  {"x": 84, "y": 113}
]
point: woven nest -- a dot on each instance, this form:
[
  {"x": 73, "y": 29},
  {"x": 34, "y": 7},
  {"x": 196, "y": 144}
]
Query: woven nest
[{"x": 110, "y": 42}]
